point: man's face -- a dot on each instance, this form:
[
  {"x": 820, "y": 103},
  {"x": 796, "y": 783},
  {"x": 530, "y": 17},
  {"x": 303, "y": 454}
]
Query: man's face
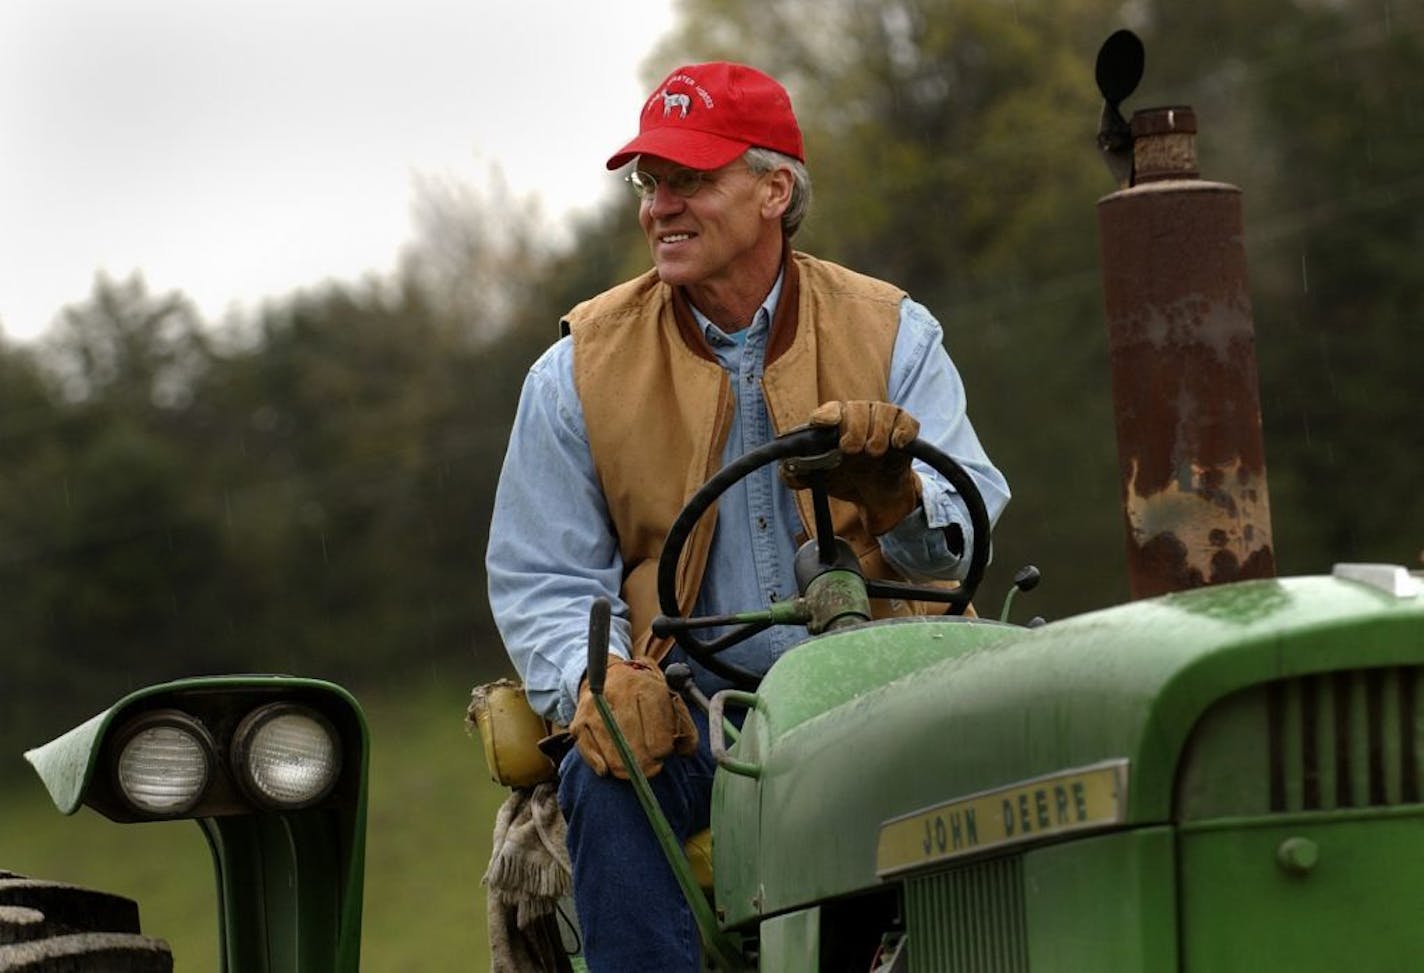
[{"x": 711, "y": 235}]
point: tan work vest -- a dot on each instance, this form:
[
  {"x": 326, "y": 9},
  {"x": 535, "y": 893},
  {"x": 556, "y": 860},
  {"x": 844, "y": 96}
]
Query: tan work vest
[{"x": 657, "y": 406}]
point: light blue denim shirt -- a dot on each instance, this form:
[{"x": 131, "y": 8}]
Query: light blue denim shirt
[{"x": 552, "y": 550}]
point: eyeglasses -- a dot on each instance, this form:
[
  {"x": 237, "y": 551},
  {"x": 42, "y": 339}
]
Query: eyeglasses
[{"x": 682, "y": 182}]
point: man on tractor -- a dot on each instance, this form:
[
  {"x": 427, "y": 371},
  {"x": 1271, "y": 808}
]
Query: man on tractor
[{"x": 730, "y": 339}]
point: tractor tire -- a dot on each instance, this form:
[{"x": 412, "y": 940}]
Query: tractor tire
[{"x": 50, "y": 927}]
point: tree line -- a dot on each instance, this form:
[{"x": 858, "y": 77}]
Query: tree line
[{"x": 308, "y": 489}]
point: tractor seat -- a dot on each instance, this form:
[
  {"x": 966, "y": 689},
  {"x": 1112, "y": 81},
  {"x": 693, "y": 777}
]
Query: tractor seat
[
  {"x": 698, "y": 850},
  {"x": 511, "y": 732}
]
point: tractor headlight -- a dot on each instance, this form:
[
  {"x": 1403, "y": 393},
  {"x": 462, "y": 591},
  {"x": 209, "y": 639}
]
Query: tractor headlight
[
  {"x": 165, "y": 763},
  {"x": 286, "y": 756}
]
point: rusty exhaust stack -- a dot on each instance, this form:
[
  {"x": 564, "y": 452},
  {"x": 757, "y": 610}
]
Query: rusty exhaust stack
[{"x": 1182, "y": 349}]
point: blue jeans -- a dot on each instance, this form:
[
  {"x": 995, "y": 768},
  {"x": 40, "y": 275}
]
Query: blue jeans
[{"x": 630, "y": 907}]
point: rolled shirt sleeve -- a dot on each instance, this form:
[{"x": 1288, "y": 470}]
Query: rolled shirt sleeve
[
  {"x": 551, "y": 549},
  {"x": 925, "y": 382}
]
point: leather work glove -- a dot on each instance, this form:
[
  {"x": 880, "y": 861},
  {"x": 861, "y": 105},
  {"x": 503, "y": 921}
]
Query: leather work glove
[
  {"x": 871, "y": 476},
  {"x": 654, "y": 720}
]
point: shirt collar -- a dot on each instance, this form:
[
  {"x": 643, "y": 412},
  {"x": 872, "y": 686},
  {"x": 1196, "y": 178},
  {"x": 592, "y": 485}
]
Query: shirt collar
[{"x": 762, "y": 319}]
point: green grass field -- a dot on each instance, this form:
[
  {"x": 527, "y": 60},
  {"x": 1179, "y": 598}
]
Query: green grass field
[{"x": 432, "y": 808}]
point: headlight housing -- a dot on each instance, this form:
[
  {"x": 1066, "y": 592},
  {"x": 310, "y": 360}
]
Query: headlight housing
[
  {"x": 286, "y": 756},
  {"x": 165, "y": 763}
]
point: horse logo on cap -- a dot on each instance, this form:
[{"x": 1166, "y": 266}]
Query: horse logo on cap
[{"x": 679, "y": 101}]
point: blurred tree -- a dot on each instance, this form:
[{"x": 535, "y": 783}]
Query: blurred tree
[
  {"x": 129, "y": 347},
  {"x": 27, "y": 409},
  {"x": 128, "y": 564},
  {"x": 310, "y": 495},
  {"x": 1341, "y": 95},
  {"x": 354, "y": 453},
  {"x": 28, "y": 420},
  {"x": 104, "y": 560},
  {"x": 473, "y": 252}
]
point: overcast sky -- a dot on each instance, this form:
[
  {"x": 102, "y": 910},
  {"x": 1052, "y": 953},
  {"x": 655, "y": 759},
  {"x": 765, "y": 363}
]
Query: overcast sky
[{"x": 239, "y": 149}]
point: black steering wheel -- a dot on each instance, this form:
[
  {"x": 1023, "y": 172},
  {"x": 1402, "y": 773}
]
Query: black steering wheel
[{"x": 808, "y": 445}]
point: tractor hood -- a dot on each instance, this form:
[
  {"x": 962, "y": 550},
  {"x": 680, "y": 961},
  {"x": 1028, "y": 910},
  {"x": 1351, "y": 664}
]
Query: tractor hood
[{"x": 970, "y": 714}]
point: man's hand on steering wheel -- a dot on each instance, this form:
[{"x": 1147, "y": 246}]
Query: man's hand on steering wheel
[{"x": 874, "y": 472}]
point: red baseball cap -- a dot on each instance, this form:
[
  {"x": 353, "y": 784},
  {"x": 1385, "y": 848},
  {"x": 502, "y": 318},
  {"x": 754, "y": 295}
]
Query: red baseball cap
[{"x": 705, "y": 115}]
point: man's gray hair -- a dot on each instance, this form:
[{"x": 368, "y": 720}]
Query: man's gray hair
[{"x": 765, "y": 160}]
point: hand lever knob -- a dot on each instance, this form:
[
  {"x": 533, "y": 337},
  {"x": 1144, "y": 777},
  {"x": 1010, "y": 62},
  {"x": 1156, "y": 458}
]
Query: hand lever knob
[{"x": 598, "y": 623}]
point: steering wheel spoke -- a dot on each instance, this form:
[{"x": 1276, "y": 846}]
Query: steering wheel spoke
[
  {"x": 825, "y": 530},
  {"x": 735, "y": 636},
  {"x": 906, "y": 591}
]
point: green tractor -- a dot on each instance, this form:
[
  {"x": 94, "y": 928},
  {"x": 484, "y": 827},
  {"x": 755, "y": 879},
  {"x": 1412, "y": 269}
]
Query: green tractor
[{"x": 1222, "y": 774}]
